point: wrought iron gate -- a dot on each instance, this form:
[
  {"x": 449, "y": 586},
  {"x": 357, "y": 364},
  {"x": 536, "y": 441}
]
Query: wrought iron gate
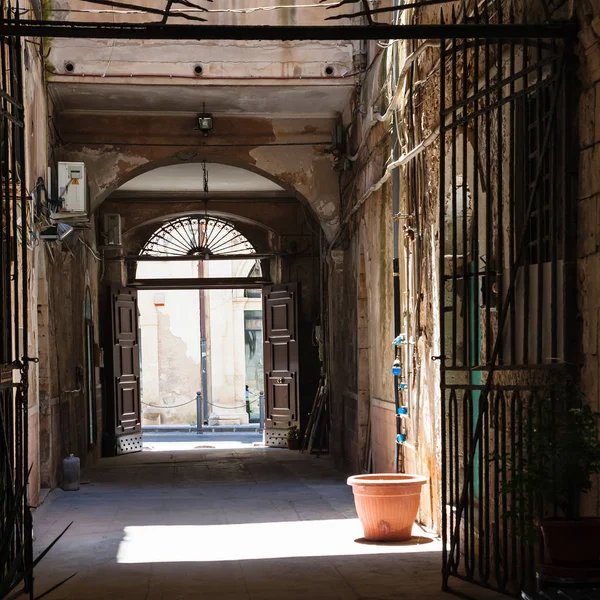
[
  {"x": 15, "y": 517},
  {"x": 506, "y": 269}
]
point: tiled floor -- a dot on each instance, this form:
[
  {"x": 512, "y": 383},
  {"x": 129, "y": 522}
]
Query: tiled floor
[{"x": 224, "y": 523}]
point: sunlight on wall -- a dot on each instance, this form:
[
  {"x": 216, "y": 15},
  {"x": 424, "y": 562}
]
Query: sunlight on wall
[{"x": 253, "y": 541}]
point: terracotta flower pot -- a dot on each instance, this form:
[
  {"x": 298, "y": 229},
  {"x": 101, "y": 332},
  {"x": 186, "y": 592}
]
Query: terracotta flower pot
[
  {"x": 387, "y": 504},
  {"x": 573, "y": 543},
  {"x": 293, "y": 443}
]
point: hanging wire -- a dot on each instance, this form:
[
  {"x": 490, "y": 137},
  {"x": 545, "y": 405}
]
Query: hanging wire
[
  {"x": 374, "y": 11},
  {"x": 154, "y": 11},
  {"x": 175, "y": 12}
]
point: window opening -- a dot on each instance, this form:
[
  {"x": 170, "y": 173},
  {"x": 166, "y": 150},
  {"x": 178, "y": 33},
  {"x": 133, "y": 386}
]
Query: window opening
[{"x": 194, "y": 236}]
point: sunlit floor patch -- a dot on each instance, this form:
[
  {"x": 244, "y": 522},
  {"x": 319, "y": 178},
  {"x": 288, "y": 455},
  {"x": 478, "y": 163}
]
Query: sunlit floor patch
[
  {"x": 199, "y": 445},
  {"x": 176, "y": 441},
  {"x": 254, "y": 541}
]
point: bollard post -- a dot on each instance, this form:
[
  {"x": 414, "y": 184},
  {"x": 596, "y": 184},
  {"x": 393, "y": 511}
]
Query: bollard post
[
  {"x": 199, "y": 412},
  {"x": 261, "y": 404}
]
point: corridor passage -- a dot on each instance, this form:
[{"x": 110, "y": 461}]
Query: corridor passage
[{"x": 224, "y": 523}]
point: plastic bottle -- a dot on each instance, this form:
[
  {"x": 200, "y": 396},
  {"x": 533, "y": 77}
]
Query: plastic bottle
[{"x": 70, "y": 474}]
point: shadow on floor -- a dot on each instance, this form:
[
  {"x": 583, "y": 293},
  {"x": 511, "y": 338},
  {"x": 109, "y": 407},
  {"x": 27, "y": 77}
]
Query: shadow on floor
[{"x": 249, "y": 524}]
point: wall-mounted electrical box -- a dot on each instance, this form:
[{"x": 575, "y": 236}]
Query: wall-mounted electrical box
[
  {"x": 112, "y": 230},
  {"x": 72, "y": 188}
]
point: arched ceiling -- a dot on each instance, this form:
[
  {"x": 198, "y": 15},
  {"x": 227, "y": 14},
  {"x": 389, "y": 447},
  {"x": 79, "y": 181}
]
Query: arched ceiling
[{"x": 189, "y": 177}]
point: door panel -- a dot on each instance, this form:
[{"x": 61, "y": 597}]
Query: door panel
[
  {"x": 281, "y": 315},
  {"x": 126, "y": 371},
  {"x": 281, "y": 355}
]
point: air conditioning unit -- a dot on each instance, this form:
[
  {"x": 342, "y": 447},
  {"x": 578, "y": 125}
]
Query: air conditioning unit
[
  {"x": 112, "y": 230},
  {"x": 72, "y": 188}
]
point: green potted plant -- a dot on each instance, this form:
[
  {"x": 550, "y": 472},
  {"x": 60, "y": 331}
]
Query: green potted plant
[
  {"x": 552, "y": 469},
  {"x": 293, "y": 438}
]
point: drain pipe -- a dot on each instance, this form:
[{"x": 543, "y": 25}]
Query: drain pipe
[
  {"x": 397, "y": 368},
  {"x": 417, "y": 313},
  {"x": 412, "y": 282}
]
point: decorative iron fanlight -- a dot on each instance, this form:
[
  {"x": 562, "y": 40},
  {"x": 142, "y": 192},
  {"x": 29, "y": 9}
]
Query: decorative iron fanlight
[{"x": 194, "y": 236}]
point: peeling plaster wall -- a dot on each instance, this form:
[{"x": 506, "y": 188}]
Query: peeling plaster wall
[
  {"x": 280, "y": 149},
  {"x": 179, "y": 371},
  {"x": 58, "y": 276},
  {"x": 169, "y": 328},
  {"x": 310, "y": 172},
  {"x": 360, "y": 322},
  {"x": 36, "y": 151},
  {"x": 64, "y": 271}
]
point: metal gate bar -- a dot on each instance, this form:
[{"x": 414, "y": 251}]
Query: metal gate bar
[
  {"x": 16, "y": 524},
  {"x": 504, "y": 222},
  {"x": 441, "y": 31}
]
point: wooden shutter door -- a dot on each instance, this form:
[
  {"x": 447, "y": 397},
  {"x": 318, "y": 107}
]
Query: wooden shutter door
[
  {"x": 126, "y": 371},
  {"x": 281, "y": 354}
]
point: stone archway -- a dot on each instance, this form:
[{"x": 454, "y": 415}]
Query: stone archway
[
  {"x": 274, "y": 219},
  {"x": 304, "y": 172}
]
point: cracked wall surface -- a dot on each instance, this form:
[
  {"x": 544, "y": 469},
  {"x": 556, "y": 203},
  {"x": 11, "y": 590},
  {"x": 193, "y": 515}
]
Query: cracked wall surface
[{"x": 290, "y": 152}]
